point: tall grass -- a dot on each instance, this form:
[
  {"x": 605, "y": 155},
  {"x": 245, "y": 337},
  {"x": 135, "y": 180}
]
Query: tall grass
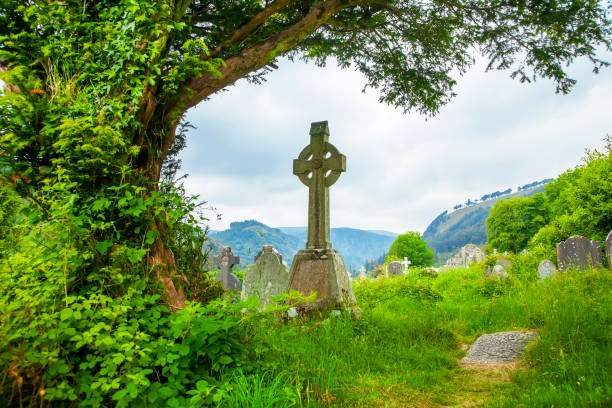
[{"x": 405, "y": 348}]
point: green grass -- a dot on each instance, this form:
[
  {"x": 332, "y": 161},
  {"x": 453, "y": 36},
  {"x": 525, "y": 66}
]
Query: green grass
[{"x": 404, "y": 351}]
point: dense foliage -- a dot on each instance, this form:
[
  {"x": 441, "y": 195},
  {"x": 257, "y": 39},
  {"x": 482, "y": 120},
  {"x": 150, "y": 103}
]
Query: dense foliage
[
  {"x": 410, "y": 245},
  {"x": 511, "y": 223},
  {"x": 578, "y": 202},
  {"x": 92, "y": 96}
]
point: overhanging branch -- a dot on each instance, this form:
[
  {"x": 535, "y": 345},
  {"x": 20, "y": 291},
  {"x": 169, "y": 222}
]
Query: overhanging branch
[{"x": 261, "y": 54}]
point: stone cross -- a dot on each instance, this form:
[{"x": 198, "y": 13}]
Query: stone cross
[
  {"x": 406, "y": 264},
  {"x": 226, "y": 261},
  {"x": 318, "y": 166}
]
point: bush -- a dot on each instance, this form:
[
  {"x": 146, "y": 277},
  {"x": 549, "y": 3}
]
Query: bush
[{"x": 127, "y": 352}]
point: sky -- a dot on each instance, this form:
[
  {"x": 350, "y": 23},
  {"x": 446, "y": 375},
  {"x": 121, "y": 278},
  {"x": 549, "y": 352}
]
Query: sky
[{"x": 402, "y": 169}]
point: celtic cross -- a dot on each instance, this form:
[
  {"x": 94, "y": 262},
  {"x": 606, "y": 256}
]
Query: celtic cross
[{"x": 318, "y": 166}]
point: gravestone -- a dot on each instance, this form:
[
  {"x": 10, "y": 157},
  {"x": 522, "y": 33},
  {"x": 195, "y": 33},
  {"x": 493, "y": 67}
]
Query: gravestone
[
  {"x": 579, "y": 252},
  {"x": 609, "y": 249},
  {"x": 499, "y": 272},
  {"x": 362, "y": 273},
  {"x": 319, "y": 268},
  {"x": 226, "y": 261},
  {"x": 406, "y": 263},
  {"x": 546, "y": 269},
  {"x": 467, "y": 255},
  {"x": 505, "y": 262},
  {"x": 395, "y": 268},
  {"x": 267, "y": 277}
]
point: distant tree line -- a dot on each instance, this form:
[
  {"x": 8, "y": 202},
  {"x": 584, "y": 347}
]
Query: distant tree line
[
  {"x": 371, "y": 264},
  {"x": 535, "y": 184}
]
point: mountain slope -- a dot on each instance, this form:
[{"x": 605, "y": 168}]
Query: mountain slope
[
  {"x": 247, "y": 237},
  {"x": 450, "y": 231},
  {"x": 356, "y": 246}
]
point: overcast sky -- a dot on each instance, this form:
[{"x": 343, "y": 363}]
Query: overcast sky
[{"x": 402, "y": 169}]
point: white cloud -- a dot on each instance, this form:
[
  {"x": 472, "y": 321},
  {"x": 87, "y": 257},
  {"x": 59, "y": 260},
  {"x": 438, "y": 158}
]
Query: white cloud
[{"x": 402, "y": 170}]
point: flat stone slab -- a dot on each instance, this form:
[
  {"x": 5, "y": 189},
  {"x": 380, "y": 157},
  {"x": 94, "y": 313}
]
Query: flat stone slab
[{"x": 499, "y": 347}]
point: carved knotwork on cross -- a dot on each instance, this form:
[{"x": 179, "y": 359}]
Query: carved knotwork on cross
[{"x": 318, "y": 166}]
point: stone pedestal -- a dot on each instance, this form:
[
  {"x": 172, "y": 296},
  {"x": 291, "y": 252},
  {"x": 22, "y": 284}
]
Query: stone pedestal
[{"x": 322, "y": 271}]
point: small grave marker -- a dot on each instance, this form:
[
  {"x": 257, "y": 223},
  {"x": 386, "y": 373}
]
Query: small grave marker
[
  {"x": 406, "y": 263},
  {"x": 546, "y": 269},
  {"x": 395, "y": 268}
]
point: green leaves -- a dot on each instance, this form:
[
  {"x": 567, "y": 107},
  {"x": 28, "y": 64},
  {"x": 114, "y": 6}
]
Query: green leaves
[{"x": 413, "y": 247}]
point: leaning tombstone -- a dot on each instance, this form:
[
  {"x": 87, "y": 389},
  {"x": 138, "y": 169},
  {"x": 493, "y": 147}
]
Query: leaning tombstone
[
  {"x": 226, "y": 261},
  {"x": 266, "y": 278},
  {"x": 319, "y": 268},
  {"x": 579, "y": 252},
  {"x": 609, "y": 249},
  {"x": 546, "y": 269},
  {"x": 395, "y": 268}
]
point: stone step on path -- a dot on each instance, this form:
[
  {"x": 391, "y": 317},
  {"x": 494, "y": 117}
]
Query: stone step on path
[{"x": 502, "y": 347}]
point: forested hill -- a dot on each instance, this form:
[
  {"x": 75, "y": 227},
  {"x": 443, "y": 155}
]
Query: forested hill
[
  {"x": 450, "y": 231},
  {"x": 356, "y": 246}
]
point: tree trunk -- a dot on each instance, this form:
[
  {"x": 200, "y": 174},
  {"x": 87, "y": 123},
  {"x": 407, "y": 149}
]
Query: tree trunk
[{"x": 155, "y": 139}]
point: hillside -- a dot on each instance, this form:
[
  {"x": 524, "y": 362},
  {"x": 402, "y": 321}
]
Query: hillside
[
  {"x": 450, "y": 231},
  {"x": 247, "y": 237},
  {"x": 355, "y": 245}
]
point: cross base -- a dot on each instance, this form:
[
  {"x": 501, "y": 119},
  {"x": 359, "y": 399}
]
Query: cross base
[{"x": 322, "y": 271}]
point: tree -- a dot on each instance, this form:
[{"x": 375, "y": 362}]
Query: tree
[
  {"x": 511, "y": 223},
  {"x": 94, "y": 92},
  {"x": 580, "y": 199},
  {"x": 413, "y": 247}
]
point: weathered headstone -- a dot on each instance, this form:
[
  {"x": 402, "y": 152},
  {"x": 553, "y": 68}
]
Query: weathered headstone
[
  {"x": 470, "y": 253},
  {"x": 406, "y": 263},
  {"x": 546, "y": 269},
  {"x": 579, "y": 252},
  {"x": 319, "y": 268},
  {"x": 395, "y": 268},
  {"x": 226, "y": 261},
  {"x": 609, "y": 249},
  {"x": 362, "y": 273},
  {"x": 505, "y": 262},
  {"x": 267, "y": 277},
  {"x": 499, "y": 272}
]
